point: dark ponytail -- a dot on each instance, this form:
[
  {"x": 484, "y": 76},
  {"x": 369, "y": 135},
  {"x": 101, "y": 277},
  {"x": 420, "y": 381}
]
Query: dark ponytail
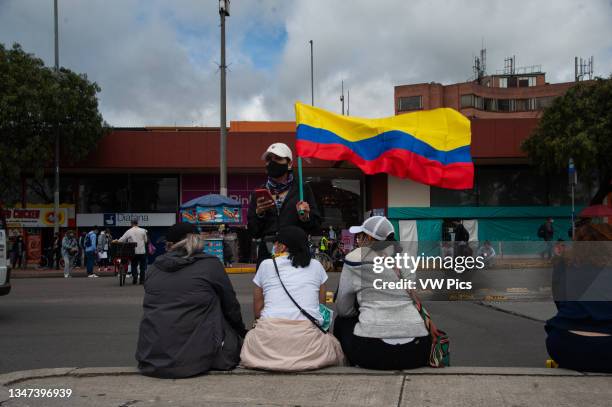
[{"x": 297, "y": 245}]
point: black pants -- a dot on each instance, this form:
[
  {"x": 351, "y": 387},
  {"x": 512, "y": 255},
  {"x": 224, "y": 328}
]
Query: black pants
[
  {"x": 373, "y": 353},
  {"x": 139, "y": 260},
  {"x": 579, "y": 352}
]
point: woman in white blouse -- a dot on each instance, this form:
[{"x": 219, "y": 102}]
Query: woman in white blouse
[{"x": 287, "y": 336}]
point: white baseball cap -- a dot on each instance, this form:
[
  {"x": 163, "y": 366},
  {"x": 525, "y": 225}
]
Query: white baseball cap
[
  {"x": 378, "y": 227},
  {"x": 280, "y": 149}
]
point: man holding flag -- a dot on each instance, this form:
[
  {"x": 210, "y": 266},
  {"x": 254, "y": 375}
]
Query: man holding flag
[{"x": 281, "y": 201}]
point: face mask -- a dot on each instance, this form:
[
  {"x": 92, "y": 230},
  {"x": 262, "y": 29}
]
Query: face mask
[{"x": 276, "y": 170}]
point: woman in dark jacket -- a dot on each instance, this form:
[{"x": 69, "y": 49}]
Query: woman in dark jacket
[{"x": 191, "y": 322}]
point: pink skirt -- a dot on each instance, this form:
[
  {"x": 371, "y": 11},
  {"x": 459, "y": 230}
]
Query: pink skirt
[{"x": 287, "y": 345}]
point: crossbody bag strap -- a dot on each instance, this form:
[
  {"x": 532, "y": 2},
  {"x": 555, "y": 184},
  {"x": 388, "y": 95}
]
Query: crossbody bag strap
[
  {"x": 429, "y": 324},
  {"x": 302, "y": 310}
]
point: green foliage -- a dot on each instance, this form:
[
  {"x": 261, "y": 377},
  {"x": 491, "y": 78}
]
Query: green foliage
[
  {"x": 35, "y": 103},
  {"x": 577, "y": 125}
]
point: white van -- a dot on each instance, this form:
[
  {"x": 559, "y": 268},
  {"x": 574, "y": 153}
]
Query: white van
[{"x": 5, "y": 272}]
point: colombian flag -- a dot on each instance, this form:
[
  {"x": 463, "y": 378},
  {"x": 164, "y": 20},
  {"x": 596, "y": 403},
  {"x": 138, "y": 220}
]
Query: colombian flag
[{"x": 429, "y": 146}]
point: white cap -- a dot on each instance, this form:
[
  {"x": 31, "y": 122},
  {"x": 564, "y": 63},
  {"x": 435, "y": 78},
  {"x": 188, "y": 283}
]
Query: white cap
[
  {"x": 378, "y": 227},
  {"x": 280, "y": 149}
]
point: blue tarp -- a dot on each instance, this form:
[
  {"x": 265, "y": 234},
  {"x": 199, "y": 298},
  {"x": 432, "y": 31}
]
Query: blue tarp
[{"x": 210, "y": 200}]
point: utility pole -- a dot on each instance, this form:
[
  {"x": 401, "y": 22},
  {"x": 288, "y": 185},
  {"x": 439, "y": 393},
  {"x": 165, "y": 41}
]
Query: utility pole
[
  {"x": 311, "y": 76},
  {"x": 573, "y": 180},
  {"x": 223, "y": 12},
  {"x": 342, "y": 98},
  {"x": 57, "y": 134}
]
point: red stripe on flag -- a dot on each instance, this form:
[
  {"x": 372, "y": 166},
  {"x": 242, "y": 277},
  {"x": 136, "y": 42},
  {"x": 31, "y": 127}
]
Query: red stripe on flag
[{"x": 397, "y": 162}]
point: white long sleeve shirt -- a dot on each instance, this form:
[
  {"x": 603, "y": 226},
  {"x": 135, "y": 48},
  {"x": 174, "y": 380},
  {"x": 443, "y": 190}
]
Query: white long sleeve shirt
[{"x": 136, "y": 235}]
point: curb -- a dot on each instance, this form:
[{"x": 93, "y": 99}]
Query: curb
[{"x": 12, "y": 378}]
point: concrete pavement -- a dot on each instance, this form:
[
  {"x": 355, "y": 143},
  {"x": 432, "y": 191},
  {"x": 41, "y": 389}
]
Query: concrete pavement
[{"x": 338, "y": 386}]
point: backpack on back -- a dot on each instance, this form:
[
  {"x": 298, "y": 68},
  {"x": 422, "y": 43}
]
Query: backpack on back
[{"x": 87, "y": 242}]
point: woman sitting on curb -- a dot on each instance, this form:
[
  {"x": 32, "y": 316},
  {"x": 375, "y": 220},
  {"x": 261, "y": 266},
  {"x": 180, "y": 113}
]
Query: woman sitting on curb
[
  {"x": 192, "y": 321},
  {"x": 284, "y": 339},
  {"x": 579, "y": 337},
  {"x": 378, "y": 329}
]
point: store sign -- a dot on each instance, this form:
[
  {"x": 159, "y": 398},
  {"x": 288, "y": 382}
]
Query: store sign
[
  {"x": 35, "y": 218},
  {"x": 109, "y": 220}
]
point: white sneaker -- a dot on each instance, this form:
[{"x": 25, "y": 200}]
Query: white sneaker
[
  {"x": 67, "y": 276},
  {"x": 92, "y": 276}
]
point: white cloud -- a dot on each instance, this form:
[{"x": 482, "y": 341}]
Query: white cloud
[{"x": 155, "y": 60}]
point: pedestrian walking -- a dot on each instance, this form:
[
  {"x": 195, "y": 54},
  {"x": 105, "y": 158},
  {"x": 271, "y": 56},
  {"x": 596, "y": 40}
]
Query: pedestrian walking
[
  {"x": 191, "y": 319},
  {"x": 102, "y": 250},
  {"x": 547, "y": 232},
  {"x": 137, "y": 235},
  {"x": 56, "y": 251},
  {"x": 17, "y": 252},
  {"x": 90, "y": 244},
  {"x": 70, "y": 248},
  {"x": 81, "y": 260}
]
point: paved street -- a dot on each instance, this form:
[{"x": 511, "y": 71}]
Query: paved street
[{"x": 80, "y": 322}]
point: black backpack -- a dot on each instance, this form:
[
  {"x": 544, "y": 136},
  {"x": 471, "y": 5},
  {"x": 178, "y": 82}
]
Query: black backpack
[
  {"x": 541, "y": 232},
  {"x": 87, "y": 241}
]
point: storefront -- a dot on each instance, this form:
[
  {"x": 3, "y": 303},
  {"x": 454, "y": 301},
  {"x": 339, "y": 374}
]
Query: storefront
[{"x": 35, "y": 225}]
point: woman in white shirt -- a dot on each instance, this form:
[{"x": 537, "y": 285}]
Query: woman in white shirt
[{"x": 285, "y": 337}]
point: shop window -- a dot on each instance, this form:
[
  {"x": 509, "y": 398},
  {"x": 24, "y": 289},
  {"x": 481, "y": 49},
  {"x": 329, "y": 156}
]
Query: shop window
[
  {"x": 451, "y": 197},
  {"x": 560, "y": 191},
  {"x": 339, "y": 200},
  {"x": 511, "y": 186},
  {"x": 410, "y": 103},
  {"x": 153, "y": 194},
  {"x": 103, "y": 193}
]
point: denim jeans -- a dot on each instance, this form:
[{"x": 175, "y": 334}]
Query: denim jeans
[
  {"x": 90, "y": 259},
  {"x": 68, "y": 265}
]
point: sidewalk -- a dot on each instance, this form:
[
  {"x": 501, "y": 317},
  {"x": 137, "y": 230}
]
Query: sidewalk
[
  {"x": 338, "y": 386},
  {"x": 236, "y": 268}
]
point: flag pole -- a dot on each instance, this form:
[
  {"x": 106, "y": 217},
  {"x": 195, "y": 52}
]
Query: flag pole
[{"x": 312, "y": 103}]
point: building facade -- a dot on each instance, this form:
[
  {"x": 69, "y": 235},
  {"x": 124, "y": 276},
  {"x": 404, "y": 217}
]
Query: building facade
[{"x": 510, "y": 198}]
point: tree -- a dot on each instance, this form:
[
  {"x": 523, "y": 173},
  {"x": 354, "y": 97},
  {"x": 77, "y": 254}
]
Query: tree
[
  {"x": 36, "y": 103},
  {"x": 577, "y": 125}
]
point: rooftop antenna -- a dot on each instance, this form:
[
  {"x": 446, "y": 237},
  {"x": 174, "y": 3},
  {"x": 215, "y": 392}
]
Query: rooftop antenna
[
  {"x": 583, "y": 68},
  {"x": 509, "y": 65},
  {"x": 480, "y": 65}
]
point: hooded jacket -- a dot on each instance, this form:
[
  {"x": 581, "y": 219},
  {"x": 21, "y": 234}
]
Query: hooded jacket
[{"x": 190, "y": 310}]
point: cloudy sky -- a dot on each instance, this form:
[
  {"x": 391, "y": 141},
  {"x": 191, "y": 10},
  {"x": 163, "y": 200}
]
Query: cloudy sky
[{"x": 156, "y": 60}]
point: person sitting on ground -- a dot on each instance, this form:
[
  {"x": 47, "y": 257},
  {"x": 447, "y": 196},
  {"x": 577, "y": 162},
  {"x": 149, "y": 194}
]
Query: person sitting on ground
[
  {"x": 378, "y": 329},
  {"x": 284, "y": 339},
  {"x": 191, "y": 321},
  {"x": 579, "y": 337}
]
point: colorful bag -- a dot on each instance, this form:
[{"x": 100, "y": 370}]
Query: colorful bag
[{"x": 440, "y": 353}]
